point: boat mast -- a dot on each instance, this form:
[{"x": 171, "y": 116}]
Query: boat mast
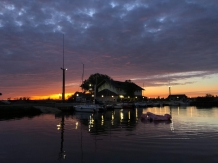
[
  {"x": 95, "y": 88},
  {"x": 82, "y": 75}
]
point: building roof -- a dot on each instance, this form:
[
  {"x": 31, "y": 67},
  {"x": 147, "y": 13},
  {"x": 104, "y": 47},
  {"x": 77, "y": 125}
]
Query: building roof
[
  {"x": 119, "y": 84},
  {"x": 106, "y": 92}
]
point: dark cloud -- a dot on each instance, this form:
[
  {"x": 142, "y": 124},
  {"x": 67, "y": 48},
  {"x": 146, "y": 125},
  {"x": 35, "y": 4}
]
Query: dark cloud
[{"x": 124, "y": 39}]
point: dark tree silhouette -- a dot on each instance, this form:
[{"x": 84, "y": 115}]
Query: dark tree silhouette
[
  {"x": 88, "y": 84},
  {"x": 130, "y": 88}
]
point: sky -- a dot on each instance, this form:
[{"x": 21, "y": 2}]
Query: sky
[{"x": 154, "y": 43}]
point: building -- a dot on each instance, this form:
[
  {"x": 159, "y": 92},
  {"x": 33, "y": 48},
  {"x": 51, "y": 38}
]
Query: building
[
  {"x": 111, "y": 90},
  {"x": 177, "y": 97}
]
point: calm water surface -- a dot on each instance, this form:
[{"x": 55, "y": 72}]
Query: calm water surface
[{"x": 115, "y": 136}]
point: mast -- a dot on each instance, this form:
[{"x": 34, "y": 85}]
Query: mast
[
  {"x": 95, "y": 88},
  {"x": 82, "y": 75}
]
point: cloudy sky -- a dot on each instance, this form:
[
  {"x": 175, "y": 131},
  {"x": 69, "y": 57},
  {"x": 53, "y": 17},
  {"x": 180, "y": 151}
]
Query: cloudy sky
[{"x": 151, "y": 42}]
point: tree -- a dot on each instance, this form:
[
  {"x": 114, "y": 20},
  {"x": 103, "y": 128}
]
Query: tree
[
  {"x": 94, "y": 79},
  {"x": 130, "y": 88},
  {"x": 209, "y": 96}
]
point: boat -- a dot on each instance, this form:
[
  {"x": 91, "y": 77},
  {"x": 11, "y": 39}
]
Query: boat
[
  {"x": 90, "y": 107},
  {"x": 140, "y": 104},
  {"x": 117, "y": 106},
  {"x": 153, "y": 104},
  {"x": 154, "y": 117},
  {"x": 128, "y": 105},
  {"x": 87, "y": 108}
]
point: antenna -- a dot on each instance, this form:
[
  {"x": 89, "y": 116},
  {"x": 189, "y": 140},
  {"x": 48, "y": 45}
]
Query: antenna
[{"x": 63, "y": 51}]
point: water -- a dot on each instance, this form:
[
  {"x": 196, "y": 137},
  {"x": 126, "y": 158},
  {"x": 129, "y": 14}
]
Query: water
[{"x": 114, "y": 136}]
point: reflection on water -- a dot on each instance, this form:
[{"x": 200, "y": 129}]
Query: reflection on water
[{"x": 113, "y": 136}]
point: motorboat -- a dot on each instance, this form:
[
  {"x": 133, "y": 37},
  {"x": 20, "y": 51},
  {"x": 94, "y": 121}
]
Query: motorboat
[
  {"x": 87, "y": 108},
  {"x": 128, "y": 105},
  {"x": 154, "y": 117},
  {"x": 140, "y": 104}
]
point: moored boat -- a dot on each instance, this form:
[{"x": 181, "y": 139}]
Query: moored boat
[
  {"x": 87, "y": 108},
  {"x": 128, "y": 105},
  {"x": 154, "y": 117}
]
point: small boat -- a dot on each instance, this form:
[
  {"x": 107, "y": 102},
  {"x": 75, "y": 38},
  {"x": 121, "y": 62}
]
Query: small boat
[
  {"x": 154, "y": 117},
  {"x": 87, "y": 108},
  {"x": 140, "y": 104},
  {"x": 128, "y": 105},
  {"x": 117, "y": 106}
]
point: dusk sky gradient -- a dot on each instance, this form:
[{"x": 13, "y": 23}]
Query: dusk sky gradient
[{"x": 151, "y": 42}]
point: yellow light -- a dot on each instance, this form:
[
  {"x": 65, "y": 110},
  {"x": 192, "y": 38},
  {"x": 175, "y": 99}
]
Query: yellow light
[
  {"x": 77, "y": 125},
  {"x": 121, "y": 96},
  {"x": 59, "y": 126},
  {"x": 121, "y": 116}
]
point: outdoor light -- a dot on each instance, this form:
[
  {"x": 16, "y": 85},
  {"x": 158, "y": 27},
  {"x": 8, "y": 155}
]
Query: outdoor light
[
  {"x": 128, "y": 97},
  {"x": 59, "y": 126},
  {"x": 102, "y": 95},
  {"x": 77, "y": 94},
  {"x": 112, "y": 96},
  {"x": 121, "y": 96}
]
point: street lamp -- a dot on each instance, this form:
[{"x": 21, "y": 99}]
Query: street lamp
[
  {"x": 63, "y": 89},
  {"x": 64, "y": 69}
]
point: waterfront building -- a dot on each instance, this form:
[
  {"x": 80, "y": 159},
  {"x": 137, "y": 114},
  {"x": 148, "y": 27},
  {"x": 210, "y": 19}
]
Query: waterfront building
[{"x": 111, "y": 90}]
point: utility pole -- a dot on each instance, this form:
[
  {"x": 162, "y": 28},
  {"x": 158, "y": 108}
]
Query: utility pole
[{"x": 169, "y": 86}]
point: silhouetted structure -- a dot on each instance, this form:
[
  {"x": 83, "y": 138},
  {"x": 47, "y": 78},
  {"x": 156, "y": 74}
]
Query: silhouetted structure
[
  {"x": 64, "y": 69},
  {"x": 177, "y": 97}
]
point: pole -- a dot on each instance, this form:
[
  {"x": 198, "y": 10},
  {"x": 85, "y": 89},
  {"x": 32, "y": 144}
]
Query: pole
[
  {"x": 169, "y": 90},
  {"x": 169, "y": 86},
  {"x": 95, "y": 89},
  {"x": 63, "y": 89},
  {"x": 82, "y": 76},
  {"x": 63, "y": 95}
]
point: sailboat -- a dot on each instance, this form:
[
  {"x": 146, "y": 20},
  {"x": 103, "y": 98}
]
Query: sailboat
[{"x": 89, "y": 107}]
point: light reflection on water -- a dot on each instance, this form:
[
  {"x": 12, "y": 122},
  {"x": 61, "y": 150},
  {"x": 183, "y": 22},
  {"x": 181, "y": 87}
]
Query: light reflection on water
[{"x": 113, "y": 136}]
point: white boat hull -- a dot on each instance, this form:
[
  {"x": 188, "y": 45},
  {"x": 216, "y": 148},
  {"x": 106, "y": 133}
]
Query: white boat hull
[{"x": 86, "y": 108}]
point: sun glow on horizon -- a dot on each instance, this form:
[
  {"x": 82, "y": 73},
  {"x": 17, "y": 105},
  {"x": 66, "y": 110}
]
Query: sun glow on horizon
[{"x": 52, "y": 96}]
